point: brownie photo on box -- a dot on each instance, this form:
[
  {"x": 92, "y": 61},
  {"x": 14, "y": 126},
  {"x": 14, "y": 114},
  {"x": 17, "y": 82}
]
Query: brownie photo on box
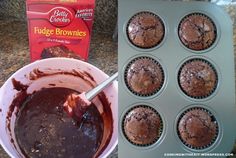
[{"x": 58, "y": 51}]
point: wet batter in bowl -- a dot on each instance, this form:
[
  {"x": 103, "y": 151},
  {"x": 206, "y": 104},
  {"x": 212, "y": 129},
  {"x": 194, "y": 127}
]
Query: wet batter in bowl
[{"x": 44, "y": 129}]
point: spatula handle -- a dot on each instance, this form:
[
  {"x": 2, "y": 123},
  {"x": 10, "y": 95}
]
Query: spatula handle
[{"x": 92, "y": 93}]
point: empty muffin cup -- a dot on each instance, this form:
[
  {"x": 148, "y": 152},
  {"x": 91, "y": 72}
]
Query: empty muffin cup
[
  {"x": 197, "y": 31},
  {"x": 145, "y": 30},
  {"x": 197, "y": 78},
  {"x": 197, "y": 128},
  {"x": 144, "y": 76},
  {"x": 142, "y": 125}
]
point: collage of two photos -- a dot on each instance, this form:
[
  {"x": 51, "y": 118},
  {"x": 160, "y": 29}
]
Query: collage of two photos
[{"x": 117, "y": 78}]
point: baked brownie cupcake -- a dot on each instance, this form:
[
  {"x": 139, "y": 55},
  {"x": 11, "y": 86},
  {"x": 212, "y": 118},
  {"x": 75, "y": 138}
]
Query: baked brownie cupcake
[
  {"x": 58, "y": 51},
  {"x": 197, "y": 78},
  {"x": 197, "y": 128},
  {"x": 197, "y": 31},
  {"x": 142, "y": 125},
  {"x": 144, "y": 76},
  {"x": 145, "y": 30}
]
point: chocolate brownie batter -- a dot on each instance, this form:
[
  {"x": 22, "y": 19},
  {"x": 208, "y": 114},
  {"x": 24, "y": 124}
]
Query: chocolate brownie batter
[
  {"x": 44, "y": 129},
  {"x": 144, "y": 76},
  {"x": 145, "y": 30},
  {"x": 197, "y": 78},
  {"x": 142, "y": 125},
  {"x": 197, "y": 31},
  {"x": 58, "y": 51},
  {"x": 197, "y": 128}
]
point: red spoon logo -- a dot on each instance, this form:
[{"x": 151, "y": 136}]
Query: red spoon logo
[{"x": 60, "y": 16}]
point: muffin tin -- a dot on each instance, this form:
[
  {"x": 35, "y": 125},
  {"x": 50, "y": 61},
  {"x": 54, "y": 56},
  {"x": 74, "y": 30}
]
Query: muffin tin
[{"x": 171, "y": 101}]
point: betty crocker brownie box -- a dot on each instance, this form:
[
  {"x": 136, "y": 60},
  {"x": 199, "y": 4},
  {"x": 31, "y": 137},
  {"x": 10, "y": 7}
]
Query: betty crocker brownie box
[{"x": 59, "y": 28}]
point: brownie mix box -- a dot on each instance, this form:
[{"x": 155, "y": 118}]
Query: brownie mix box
[{"x": 59, "y": 28}]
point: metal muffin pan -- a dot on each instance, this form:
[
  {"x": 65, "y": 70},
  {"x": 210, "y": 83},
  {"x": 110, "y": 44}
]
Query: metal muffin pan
[{"x": 171, "y": 101}]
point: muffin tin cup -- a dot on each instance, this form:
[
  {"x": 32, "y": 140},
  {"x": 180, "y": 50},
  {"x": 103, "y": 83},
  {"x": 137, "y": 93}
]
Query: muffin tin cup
[
  {"x": 165, "y": 24},
  {"x": 155, "y": 94},
  {"x": 213, "y": 65},
  {"x": 217, "y": 139},
  {"x": 170, "y": 101},
  {"x": 148, "y": 146},
  {"x": 216, "y": 24}
]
